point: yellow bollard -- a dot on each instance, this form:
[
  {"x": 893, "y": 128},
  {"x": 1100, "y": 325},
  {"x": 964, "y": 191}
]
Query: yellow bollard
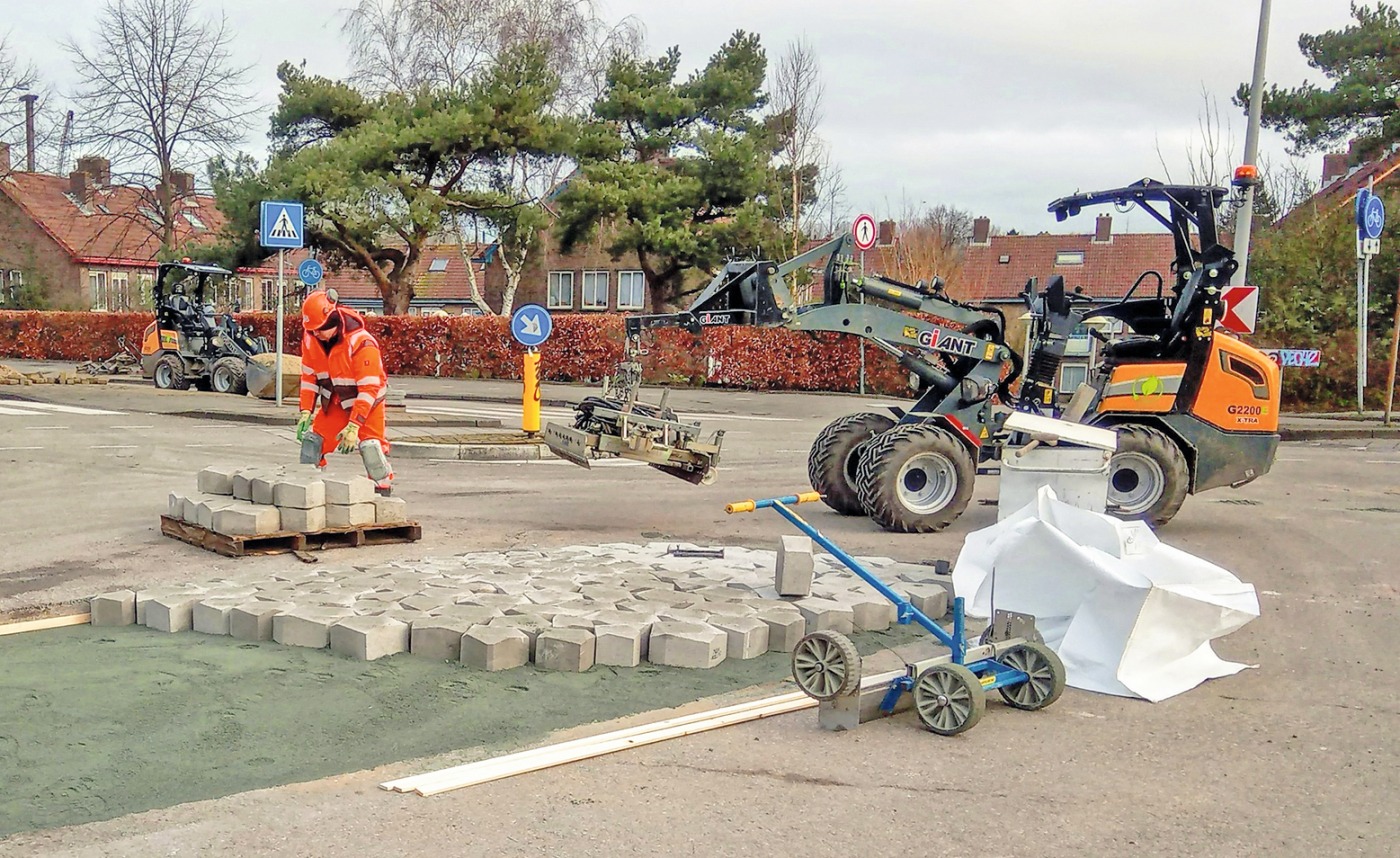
[{"x": 530, "y": 417}]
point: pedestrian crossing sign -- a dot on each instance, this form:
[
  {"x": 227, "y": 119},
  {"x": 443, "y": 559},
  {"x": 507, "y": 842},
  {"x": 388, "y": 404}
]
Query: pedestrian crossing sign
[{"x": 281, "y": 224}]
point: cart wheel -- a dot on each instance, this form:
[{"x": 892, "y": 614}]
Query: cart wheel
[
  {"x": 1046, "y": 672},
  {"x": 949, "y": 699},
  {"x": 825, "y": 665}
]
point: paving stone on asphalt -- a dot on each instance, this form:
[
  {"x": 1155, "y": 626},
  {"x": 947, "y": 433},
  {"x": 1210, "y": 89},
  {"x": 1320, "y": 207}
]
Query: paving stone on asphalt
[
  {"x": 117, "y": 608},
  {"x": 785, "y": 628},
  {"x": 570, "y": 650},
  {"x": 211, "y": 615},
  {"x": 795, "y": 566},
  {"x": 747, "y": 636},
  {"x": 345, "y": 491},
  {"x": 369, "y": 638},
  {"x": 306, "y": 626},
  {"x": 826, "y": 615},
  {"x": 692, "y": 645},
  {"x": 621, "y": 646},
  {"x": 252, "y": 621},
  {"x": 216, "y": 480},
  {"x": 439, "y": 638},
  {"x": 494, "y": 648}
]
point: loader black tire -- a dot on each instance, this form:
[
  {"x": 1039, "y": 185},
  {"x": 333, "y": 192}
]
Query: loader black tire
[
  {"x": 1148, "y": 476},
  {"x": 169, "y": 373},
  {"x": 916, "y": 478},
  {"x": 229, "y": 375},
  {"x": 835, "y": 458}
]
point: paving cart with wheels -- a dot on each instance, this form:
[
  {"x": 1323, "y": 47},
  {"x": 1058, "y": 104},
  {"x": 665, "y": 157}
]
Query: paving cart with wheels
[{"x": 947, "y": 692}]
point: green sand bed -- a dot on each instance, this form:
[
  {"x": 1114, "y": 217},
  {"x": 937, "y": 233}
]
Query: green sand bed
[{"x": 98, "y": 723}]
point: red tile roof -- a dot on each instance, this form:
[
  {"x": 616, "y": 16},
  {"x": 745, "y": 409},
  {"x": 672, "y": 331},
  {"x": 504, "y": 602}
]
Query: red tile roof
[
  {"x": 449, "y": 285},
  {"x": 1342, "y": 191},
  {"x": 112, "y": 228},
  {"x": 1109, "y": 268}
]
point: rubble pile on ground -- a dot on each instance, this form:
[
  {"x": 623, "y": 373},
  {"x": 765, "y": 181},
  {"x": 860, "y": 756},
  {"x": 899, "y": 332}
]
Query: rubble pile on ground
[
  {"x": 262, "y": 501},
  {"x": 566, "y": 609},
  {"x": 10, "y": 375}
]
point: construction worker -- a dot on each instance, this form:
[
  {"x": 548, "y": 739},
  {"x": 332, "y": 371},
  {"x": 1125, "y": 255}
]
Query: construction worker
[{"x": 343, "y": 384}]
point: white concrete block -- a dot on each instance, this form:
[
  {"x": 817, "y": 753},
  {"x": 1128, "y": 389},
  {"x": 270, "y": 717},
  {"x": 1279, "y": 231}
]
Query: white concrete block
[
  {"x": 531, "y": 626},
  {"x": 571, "y": 650},
  {"x": 243, "y": 482},
  {"x": 298, "y": 520},
  {"x": 349, "y": 515},
  {"x": 117, "y": 608},
  {"x": 785, "y": 628},
  {"x": 299, "y": 493},
  {"x": 262, "y": 487},
  {"x": 216, "y": 481},
  {"x": 390, "y": 511},
  {"x": 171, "y": 613},
  {"x": 793, "y": 573},
  {"x": 211, "y": 615},
  {"x": 870, "y": 613},
  {"x": 693, "y": 645},
  {"x": 495, "y": 648},
  {"x": 175, "y": 505},
  {"x": 247, "y": 520},
  {"x": 201, "y": 508},
  {"x": 747, "y": 636},
  {"x": 308, "y": 627},
  {"x": 345, "y": 491},
  {"x": 621, "y": 646},
  {"x": 439, "y": 638},
  {"x": 826, "y": 615},
  {"x": 931, "y": 599},
  {"x": 369, "y": 638}
]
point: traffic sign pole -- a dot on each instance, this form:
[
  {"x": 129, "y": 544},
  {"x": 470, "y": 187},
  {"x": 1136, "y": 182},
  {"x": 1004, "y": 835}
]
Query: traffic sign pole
[
  {"x": 281, "y": 225},
  {"x": 1394, "y": 341},
  {"x": 281, "y": 290}
]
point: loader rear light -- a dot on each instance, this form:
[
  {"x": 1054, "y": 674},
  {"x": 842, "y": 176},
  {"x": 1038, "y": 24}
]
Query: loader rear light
[{"x": 1246, "y": 175}]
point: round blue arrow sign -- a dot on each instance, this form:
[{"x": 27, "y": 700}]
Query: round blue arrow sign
[
  {"x": 310, "y": 272},
  {"x": 1370, "y": 217},
  {"x": 531, "y": 325}
]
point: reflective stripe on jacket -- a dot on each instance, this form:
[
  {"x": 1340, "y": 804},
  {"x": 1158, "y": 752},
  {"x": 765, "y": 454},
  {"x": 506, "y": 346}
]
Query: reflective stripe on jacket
[{"x": 350, "y": 374}]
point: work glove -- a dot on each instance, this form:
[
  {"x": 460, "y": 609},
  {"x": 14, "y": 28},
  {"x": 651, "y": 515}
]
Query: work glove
[
  {"x": 303, "y": 423},
  {"x": 349, "y": 438}
]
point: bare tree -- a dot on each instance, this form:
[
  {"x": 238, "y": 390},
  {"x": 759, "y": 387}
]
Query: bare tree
[
  {"x": 932, "y": 242},
  {"x": 17, "y": 78},
  {"x": 159, "y": 88},
  {"x": 796, "y": 94}
]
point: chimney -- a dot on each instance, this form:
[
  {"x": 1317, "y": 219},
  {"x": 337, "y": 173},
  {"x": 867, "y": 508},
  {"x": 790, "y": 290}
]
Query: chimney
[
  {"x": 80, "y": 186},
  {"x": 1103, "y": 229},
  {"x": 1334, "y": 166},
  {"x": 4, "y": 158},
  {"x": 981, "y": 230},
  {"x": 181, "y": 183},
  {"x": 885, "y": 236},
  {"x": 99, "y": 168},
  {"x": 29, "y": 130}
]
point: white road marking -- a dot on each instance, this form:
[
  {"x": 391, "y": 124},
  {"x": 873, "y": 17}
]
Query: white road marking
[
  {"x": 112, "y": 447},
  {"x": 208, "y": 445},
  {"x": 1382, "y": 462},
  {"x": 21, "y": 448},
  {"x": 132, "y": 427},
  {"x": 61, "y": 409},
  {"x": 15, "y": 412}
]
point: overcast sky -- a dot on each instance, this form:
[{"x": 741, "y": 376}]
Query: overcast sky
[{"x": 994, "y": 107}]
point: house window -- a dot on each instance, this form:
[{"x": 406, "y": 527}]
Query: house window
[
  {"x": 269, "y": 293},
  {"x": 1079, "y": 342},
  {"x": 1069, "y": 257},
  {"x": 561, "y": 290},
  {"x": 1072, "y": 375},
  {"x": 143, "y": 284},
  {"x": 97, "y": 284},
  {"x": 16, "y": 279},
  {"x": 1004, "y": 259},
  {"x": 595, "y": 290},
  {"x": 438, "y": 265},
  {"x": 119, "y": 292},
  {"x": 631, "y": 290}
]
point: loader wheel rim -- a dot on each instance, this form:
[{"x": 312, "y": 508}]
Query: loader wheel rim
[
  {"x": 1136, "y": 484},
  {"x": 927, "y": 483}
]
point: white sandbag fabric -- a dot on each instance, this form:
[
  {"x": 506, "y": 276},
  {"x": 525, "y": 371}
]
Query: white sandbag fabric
[{"x": 1127, "y": 614}]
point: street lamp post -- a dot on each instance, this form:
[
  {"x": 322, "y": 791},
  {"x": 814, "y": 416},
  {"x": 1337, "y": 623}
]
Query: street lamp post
[{"x": 1245, "y": 220}]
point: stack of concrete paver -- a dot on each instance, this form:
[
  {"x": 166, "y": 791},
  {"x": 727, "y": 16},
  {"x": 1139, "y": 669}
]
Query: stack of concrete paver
[
  {"x": 292, "y": 499},
  {"x": 567, "y": 609}
]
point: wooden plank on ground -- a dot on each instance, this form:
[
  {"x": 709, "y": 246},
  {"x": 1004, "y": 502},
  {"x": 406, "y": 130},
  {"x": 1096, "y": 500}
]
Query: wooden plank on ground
[{"x": 46, "y": 623}]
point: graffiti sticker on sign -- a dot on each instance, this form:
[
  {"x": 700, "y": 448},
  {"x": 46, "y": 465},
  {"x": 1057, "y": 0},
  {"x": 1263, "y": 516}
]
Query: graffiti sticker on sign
[{"x": 1295, "y": 357}]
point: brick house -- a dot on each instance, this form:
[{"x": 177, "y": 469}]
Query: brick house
[{"x": 1101, "y": 263}]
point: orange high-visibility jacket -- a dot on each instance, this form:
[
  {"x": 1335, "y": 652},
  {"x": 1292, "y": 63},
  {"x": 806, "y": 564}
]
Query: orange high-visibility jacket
[{"x": 350, "y": 375}]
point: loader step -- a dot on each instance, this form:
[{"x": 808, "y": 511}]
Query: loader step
[{"x": 282, "y": 543}]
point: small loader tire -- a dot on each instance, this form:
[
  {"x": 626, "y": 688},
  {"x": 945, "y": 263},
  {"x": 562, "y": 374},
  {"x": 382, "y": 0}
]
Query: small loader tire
[
  {"x": 1148, "y": 477},
  {"x": 169, "y": 373},
  {"x": 835, "y": 458},
  {"x": 916, "y": 478},
  {"x": 229, "y": 375}
]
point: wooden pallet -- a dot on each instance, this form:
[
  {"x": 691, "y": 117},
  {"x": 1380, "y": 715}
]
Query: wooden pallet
[{"x": 281, "y": 543}]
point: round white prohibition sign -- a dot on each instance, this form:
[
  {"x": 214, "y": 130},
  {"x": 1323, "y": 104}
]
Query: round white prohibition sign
[{"x": 864, "y": 231}]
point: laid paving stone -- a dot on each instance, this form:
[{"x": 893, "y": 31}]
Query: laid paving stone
[
  {"x": 247, "y": 520},
  {"x": 621, "y": 646},
  {"x": 499, "y": 601},
  {"x": 621, "y": 618},
  {"x": 296, "y": 520},
  {"x": 568, "y": 620},
  {"x": 349, "y": 515},
  {"x": 252, "y": 621},
  {"x": 427, "y": 602},
  {"x": 870, "y": 613},
  {"x": 216, "y": 481},
  {"x": 785, "y": 628},
  {"x": 747, "y": 636},
  {"x": 684, "y": 615},
  {"x": 211, "y": 615},
  {"x": 299, "y": 493},
  {"x": 931, "y": 599},
  {"x": 439, "y": 638},
  {"x": 793, "y": 573},
  {"x": 404, "y": 615},
  {"x": 725, "y": 609},
  {"x": 491, "y": 647},
  {"x": 390, "y": 511},
  {"x": 305, "y": 626},
  {"x": 117, "y": 608},
  {"x": 343, "y": 491},
  {"x": 472, "y": 615},
  {"x": 826, "y": 615},
  {"x": 571, "y": 650},
  {"x": 693, "y": 645},
  {"x": 172, "y": 612},
  {"x": 668, "y": 597},
  {"x": 553, "y": 597},
  {"x": 605, "y": 593},
  {"x": 721, "y": 594},
  {"x": 530, "y": 626},
  {"x": 369, "y": 638}
]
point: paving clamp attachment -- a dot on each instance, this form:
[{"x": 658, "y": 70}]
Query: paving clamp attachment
[{"x": 948, "y": 692}]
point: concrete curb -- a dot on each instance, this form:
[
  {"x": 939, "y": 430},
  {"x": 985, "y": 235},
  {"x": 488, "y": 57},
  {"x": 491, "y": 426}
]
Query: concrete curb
[
  {"x": 1330, "y": 433},
  {"x": 486, "y": 397},
  {"x": 471, "y": 452},
  {"x": 289, "y": 420}
]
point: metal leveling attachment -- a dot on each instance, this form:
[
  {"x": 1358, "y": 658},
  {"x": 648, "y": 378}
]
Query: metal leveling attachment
[
  {"x": 947, "y": 692},
  {"x": 605, "y": 428}
]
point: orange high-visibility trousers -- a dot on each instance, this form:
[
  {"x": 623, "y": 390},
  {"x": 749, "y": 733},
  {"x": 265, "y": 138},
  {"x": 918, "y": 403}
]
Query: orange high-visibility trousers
[{"x": 330, "y": 420}]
